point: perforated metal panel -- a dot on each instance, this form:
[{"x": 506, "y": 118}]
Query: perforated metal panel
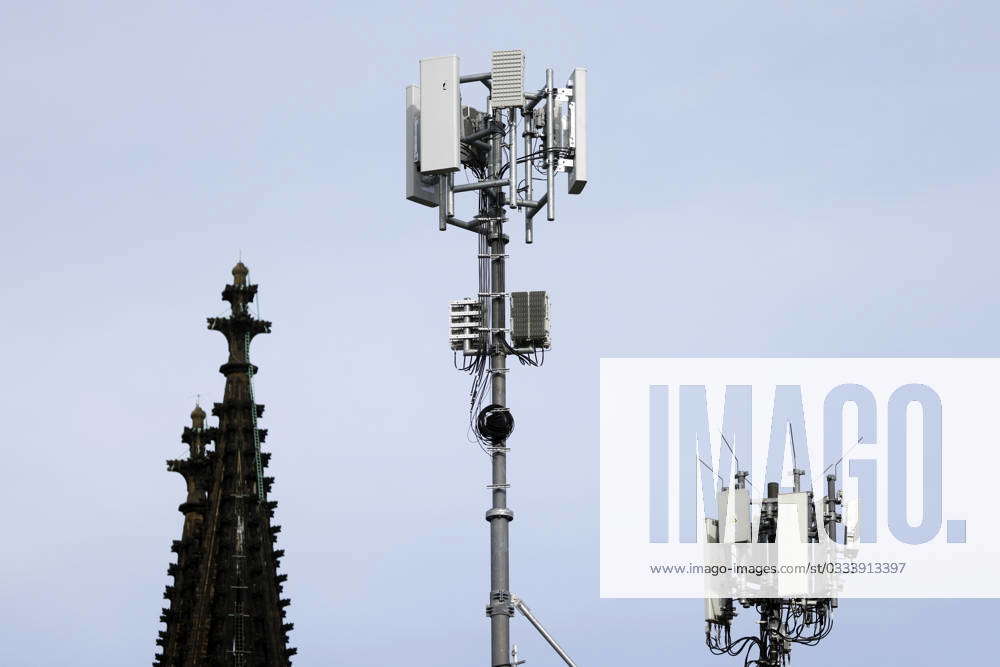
[
  {"x": 529, "y": 315},
  {"x": 507, "y": 76}
]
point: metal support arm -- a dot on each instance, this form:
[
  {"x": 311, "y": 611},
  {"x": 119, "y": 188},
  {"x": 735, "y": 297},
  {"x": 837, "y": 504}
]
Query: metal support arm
[
  {"x": 535, "y": 207},
  {"x": 523, "y": 608},
  {"x": 469, "y": 78},
  {"x": 471, "y": 226},
  {"x": 480, "y": 185},
  {"x": 484, "y": 77}
]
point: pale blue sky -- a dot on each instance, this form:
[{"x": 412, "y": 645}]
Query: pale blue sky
[{"x": 768, "y": 177}]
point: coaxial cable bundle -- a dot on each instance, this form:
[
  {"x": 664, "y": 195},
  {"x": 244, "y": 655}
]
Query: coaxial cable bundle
[{"x": 494, "y": 424}]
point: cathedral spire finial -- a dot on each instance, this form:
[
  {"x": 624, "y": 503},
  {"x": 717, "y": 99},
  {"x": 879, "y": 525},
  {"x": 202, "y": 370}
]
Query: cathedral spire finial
[
  {"x": 197, "y": 417},
  {"x": 240, "y": 272}
]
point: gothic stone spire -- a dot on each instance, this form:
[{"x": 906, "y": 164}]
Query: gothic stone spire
[{"x": 225, "y": 603}]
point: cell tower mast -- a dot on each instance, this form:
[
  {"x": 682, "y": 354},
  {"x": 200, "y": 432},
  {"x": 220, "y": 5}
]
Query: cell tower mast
[{"x": 443, "y": 137}]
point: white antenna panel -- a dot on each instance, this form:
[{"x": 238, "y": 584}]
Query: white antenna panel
[
  {"x": 578, "y": 132},
  {"x": 440, "y": 115}
]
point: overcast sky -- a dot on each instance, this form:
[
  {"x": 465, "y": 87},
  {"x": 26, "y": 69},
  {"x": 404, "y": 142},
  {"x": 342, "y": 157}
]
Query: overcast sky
[{"x": 767, "y": 178}]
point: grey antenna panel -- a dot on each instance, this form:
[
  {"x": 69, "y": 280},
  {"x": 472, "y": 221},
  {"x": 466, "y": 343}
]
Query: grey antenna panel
[
  {"x": 420, "y": 188},
  {"x": 507, "y": 79},
  {"x": 530, "y": 320}
]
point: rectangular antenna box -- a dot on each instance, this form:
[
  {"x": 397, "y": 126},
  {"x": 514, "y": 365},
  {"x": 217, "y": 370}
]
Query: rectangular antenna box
[
  {"x": 507, "y": 79},
  {"x": 734, "y": 519},
  {"x": 793, "y": 542},
  {"x": 440, "y": 115},
  {"x": 530, "y": 320},
  {"x": 578, "y": 133},
  {"x": 420, "y": 188},
  {"x": 713, "y": 606},
  {"x": 465, "y": 317}
]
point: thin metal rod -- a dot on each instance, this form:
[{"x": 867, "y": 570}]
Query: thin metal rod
[
  {"x": 496, "y": 142},
  {"x": 529, "y": 163},
  {"x": 442, "y": 203},
  {"x": 451, "y": 195},
  {"x": 523, "y": 608},
  {"x": 550, "y": 117},
  {"x": 512, "y": 195},
  {"x": 831, "y": 506},
  {"x": 527, "y": 120}
]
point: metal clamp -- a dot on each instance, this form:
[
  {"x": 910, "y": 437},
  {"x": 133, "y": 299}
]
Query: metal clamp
[
  {"x": 500, "y": 604},
  {"x": 500, "y": 513}
]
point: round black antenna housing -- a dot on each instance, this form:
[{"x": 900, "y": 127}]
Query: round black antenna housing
[{"x": 495, "y": 423}]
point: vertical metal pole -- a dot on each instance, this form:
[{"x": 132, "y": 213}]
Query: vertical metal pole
[
  {"x": 450, "y": 184},
  {"x": 501, "y": 607},
  {"x": 513, "y": 159},
  {"x": 442, "y": 203},
  {"x": 528, "y": 121},
  {"x": 831, "y": 506},
  {"x": 550, "y": 116},
  {"x": 499, "y": 516},
  {"x": 495, "y": 146},
  {"x": 529, "y": 173}
]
